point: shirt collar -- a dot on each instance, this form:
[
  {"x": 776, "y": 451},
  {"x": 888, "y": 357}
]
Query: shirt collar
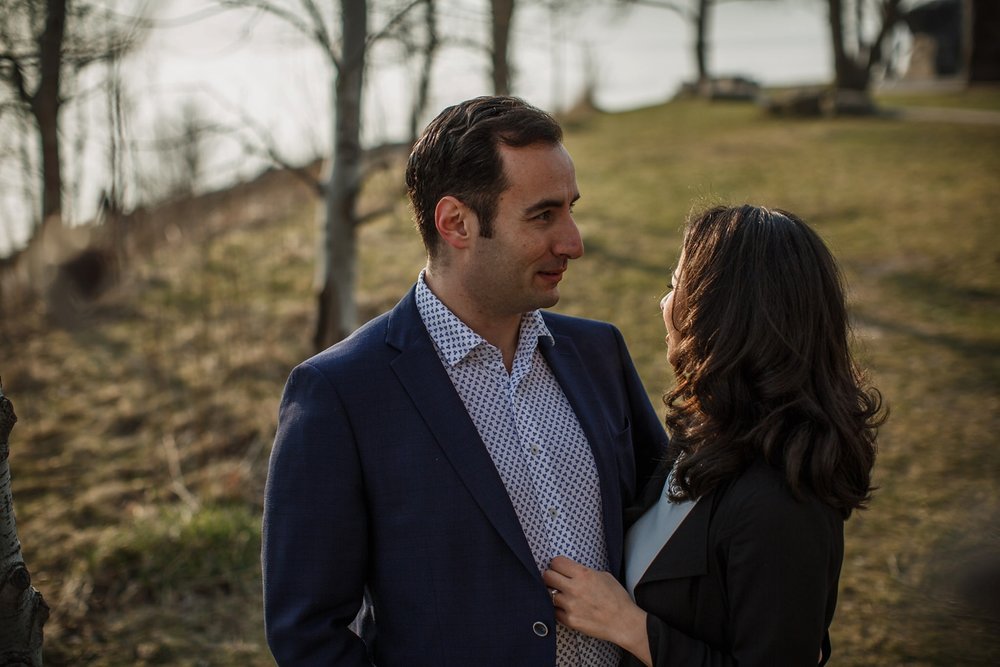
[{"x": 455, "y": 340}]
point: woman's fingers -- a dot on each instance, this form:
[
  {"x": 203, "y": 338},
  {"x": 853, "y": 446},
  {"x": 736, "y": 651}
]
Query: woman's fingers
[
  {"x": 567, "y": 566},
  {"x": 555, "y": 580},
  {"x": 595, "y": 603}
]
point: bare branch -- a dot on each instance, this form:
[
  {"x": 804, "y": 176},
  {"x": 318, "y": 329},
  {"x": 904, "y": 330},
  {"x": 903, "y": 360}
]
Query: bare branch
[
  {"x": 393, "y": 22},
  {"x": 314, "y": 31},
  {"x": 385, "y": 209},
  {"x": 321, "y": 34},
  {"x": 141, "y": 21},
  {"x": 469, "y": 43},
  {"x": 115, "y": 51},
  {"x": 17, "y": 77},
  {"x": 268, "y": 150},
  {"x": 16, "y": 107},
  {"x": 890, "y": 15},
  {"x": 684, "y": 11},
  {"x": 382, "y": 159}
]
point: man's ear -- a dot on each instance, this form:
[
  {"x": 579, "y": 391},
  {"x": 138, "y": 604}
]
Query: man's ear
[{"x": 455, "y": 222}]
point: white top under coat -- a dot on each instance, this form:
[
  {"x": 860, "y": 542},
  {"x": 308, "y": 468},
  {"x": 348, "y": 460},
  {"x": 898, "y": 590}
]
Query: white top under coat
[{"x": 650, "y": 533}]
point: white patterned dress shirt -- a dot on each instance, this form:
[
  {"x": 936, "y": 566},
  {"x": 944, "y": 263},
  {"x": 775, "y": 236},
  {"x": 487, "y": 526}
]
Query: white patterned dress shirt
[{"x": 538, "y": 447}]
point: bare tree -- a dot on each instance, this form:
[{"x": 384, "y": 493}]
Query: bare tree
[
  {"x": 43, "y": 97},
  {"x": 337, "y": 261},
  {"x": 181, "y": 146},
  {"x": 855, "y": 55},
  {"x": 425, "y": 49},
  {"x": 344, "y": 43},
  {"x": 42, "y": 44},
  {"x": 561, "y": 14},
  {"x": 23, "y": 612},
  {"x": 698, "y": 14}
]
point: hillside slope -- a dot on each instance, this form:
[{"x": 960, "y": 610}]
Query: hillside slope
[{"x": 146, "y": 420}]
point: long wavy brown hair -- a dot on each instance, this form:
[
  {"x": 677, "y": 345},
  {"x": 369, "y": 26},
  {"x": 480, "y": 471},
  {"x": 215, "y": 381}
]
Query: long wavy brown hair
[{"x": 764, "y": 368}]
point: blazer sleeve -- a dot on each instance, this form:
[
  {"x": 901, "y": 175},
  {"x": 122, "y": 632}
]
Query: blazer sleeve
[
  {"x": 780, "y": 564},
  {"x": 315, "y": 530}
]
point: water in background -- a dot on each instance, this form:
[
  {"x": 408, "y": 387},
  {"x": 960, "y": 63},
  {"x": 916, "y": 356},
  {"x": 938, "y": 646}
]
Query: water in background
[{"x": 243, "y": 73}]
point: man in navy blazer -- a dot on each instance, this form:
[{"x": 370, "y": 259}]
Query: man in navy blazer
[{"x": 427, "y": 468}]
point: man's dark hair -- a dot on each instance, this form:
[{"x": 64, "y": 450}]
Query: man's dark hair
[
  {"x": 458, "y": 155},
  {"x": 764, "y": 367}
]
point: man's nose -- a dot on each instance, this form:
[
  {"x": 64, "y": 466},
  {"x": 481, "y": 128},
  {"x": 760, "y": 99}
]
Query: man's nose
[{"x": 570, "y": 243}]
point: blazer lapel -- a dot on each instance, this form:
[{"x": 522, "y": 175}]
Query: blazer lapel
[
  {"x": 422, "y": 374},
  {"x": 569, "y": 371}
]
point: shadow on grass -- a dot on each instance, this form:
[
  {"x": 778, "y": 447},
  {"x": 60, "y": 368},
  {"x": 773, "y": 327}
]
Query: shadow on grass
[
  {"x": 982, "y": 356},
  {"x": 598, "y": 248},
  {"x": 939, "y": 292},
  {"x": 952, "y": 616}
]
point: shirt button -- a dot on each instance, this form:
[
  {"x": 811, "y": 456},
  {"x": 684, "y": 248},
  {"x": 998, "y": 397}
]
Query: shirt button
[
  {"x": 535, "y": 450},
  {"x": 540, "y": 629},
  {"x": 553, "y": 512}
]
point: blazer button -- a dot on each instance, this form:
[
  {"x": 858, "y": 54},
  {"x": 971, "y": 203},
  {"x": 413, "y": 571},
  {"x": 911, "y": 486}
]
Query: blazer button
[{"x": 540, "y": 629}]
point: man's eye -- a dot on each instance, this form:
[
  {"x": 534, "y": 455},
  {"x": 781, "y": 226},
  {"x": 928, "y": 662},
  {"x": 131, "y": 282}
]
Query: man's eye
[{"x": 544, "y": 215}]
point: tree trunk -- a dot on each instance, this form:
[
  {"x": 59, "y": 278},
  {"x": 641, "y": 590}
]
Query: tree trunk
[
  {"x": 853, "y": 73},
  {"x": 890, "y": 16},
  {"x": 984, "y": 51},
  {"x": 337, "y": 263},
  {"x": 23, "y": 612},
  {"x": 503, "y": 12},
  {"x": 45, "y": 106},
  {"x": 423, "y": 86},
  {"x": 848, "y": 74},
  {"x": 701, "y": 41}
]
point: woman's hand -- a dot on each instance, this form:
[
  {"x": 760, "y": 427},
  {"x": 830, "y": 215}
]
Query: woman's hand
[{"x": 595, "y": 604}]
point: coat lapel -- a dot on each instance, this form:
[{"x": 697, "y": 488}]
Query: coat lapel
[
  {"x": 686, "y": 552},
  {"x": 568, "y": 369},
  {"x": 422, "y": 374}
]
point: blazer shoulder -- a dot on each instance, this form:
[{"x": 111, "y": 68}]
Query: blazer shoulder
[
  {"x": 356, "y": 348},
  {"x": 562, "y": 320},
  {"x": 570, "y": 325}
]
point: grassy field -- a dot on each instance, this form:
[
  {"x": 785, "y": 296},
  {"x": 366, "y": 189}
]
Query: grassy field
[{"x": 145, "y": 425}]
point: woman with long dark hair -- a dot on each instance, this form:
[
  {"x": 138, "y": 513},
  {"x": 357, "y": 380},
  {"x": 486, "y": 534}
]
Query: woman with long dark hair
[{"x": 735, "y": 552}]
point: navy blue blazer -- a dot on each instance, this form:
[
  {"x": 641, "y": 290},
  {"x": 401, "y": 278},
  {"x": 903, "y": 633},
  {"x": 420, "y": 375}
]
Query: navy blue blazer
[{"x": 379, "y": 485}]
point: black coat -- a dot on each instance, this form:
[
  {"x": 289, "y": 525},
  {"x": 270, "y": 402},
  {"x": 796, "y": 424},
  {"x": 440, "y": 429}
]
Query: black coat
[{"x": 749, "y": 578}]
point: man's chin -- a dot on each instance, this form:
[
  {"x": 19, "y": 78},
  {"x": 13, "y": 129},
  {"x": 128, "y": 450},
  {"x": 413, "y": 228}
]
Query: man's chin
[{"x": 548, "y": 298}]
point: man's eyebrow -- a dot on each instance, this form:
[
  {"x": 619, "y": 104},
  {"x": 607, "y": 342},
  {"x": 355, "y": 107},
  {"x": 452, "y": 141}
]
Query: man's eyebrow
[{"x": 549, "y": 203}]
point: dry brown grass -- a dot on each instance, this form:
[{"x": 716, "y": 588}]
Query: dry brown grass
[{"x": 146, "y": 421}]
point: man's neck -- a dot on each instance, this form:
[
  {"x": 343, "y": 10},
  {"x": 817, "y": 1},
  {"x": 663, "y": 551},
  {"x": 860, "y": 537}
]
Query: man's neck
[{"x": 500, "y": 331}]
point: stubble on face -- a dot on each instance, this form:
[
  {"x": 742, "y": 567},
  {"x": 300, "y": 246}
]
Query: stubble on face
[{"x": 520, "y": 267}]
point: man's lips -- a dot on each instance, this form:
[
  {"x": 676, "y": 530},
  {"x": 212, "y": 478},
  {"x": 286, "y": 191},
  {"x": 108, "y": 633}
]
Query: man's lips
[{"x": 553, "y": 274}]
